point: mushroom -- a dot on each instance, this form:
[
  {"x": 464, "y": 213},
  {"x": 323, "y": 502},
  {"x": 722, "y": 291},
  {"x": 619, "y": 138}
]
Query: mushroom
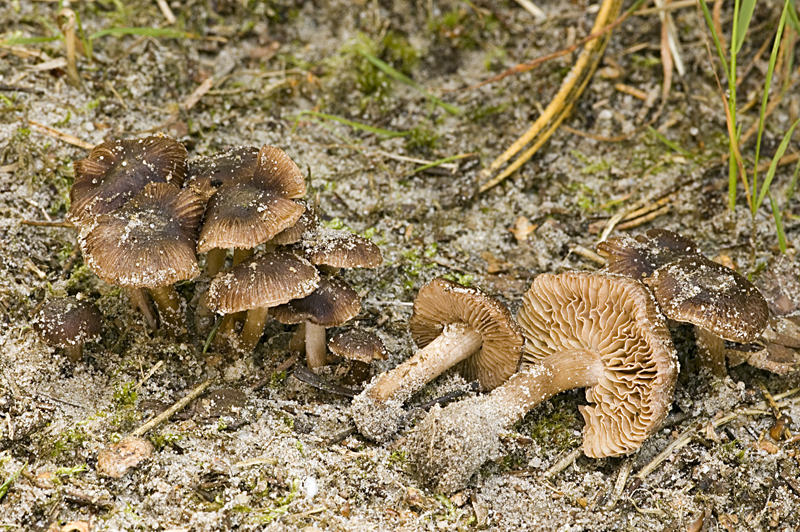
[
  {"x": 719, "y": 302},
  {"x": 360, "y": 347},
  {"x": 333, "y": 249},
  {"x": 259, "y": 282},
  {"x": 596, "y": 331},
  {"x": 68, "y": 322},
  {"x": 332, "y": 304},
  {"x": 116, "y": 171},
  {"x": 149, "y": 243},
  {"x": 454, "y": 326},
  {"x": 245, "y": 213}
]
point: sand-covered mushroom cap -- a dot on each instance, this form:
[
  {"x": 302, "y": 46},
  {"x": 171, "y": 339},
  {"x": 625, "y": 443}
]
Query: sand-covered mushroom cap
[
  {"x": 116, "y": 171},
  {"x": 68, "y": 321},
  {"x": 148, "y": 243},
  {"x": 307, "y": 222},
  {"x": 261, "y": 281},
  {"x": 711, "y": 296},
  {"x": 616, "y": 318},
  {"x": 244, "y": 214},
  {"x": 340, "y": 249},
  {"x": 357, "y": 344},
  {"x": 228, "y": 166},
  {"x": 333, "y": 303},
  {"x": 640, "y": 257},
  {"x": 442, "y": 302}
]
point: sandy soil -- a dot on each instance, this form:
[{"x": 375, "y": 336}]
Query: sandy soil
[{"x": 282, "y": 457}]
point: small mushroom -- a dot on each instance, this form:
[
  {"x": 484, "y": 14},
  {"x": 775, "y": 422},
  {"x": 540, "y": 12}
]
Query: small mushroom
[
  {"x": 68, "y": 322},
  {"x": 259, "y": 282},
  {"x": 454, "y": 326},
  {"x": 332, "y": 249},
  {"x": 149, "y": 243},
  {"x": 116, "y": 171},
  {"x": 245, "y": 213},
  {"x": 719, "y": 302},
  {"x": 582, "y": 330},
  {"x": 332, "y": 304},
  {"x": 360, "y": 347}
]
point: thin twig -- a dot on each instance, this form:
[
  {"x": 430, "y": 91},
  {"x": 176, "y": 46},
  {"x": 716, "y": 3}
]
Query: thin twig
[
  {"x": 166, "y": 414},
  {"x": 562, "y": 464},
  {"x": 56, "y": 134}
]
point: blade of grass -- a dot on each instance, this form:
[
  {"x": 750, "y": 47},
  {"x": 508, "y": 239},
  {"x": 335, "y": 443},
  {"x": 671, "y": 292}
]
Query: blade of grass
[
  {"x": 22, "y": 41},
  {"x": 354, "y": 125},
  {"x": 793, "y": 184},
  {"x": 742, "y": 23},
  {"x": 402, "y": 78},
  {"x": 793, "y": 20},
  {"x": 776, "y": 213},
  {"x": 765, "y": 98},
  {"x": 774, "y": 165},
  {"x": 162, "y": 33},
  {"x": 440, "y": 162},
  {"x": 671, "y": 145},
  {"x": 7, "y": 484},
  {"x": 717, "y": 43}
]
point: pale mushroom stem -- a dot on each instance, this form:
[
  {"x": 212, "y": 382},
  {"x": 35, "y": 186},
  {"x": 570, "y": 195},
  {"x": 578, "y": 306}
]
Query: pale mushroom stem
[
  {"x": 457, "y": 342},
  {"x": 215, "y": 261},
  {"x": 711, "y": 351},
  {"x": 566, "y": 370},
  {"x": 316, "y": 348},
  {"x": 240, "y": 254},
  {"x": 168, "y": 303},
  {"x": 141, "y": 301},
  {"x": 74, "y": 352},
  {"x": 253, "y": 329}
]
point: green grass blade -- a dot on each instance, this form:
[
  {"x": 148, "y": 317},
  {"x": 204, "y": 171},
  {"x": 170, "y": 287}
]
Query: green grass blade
[
  {"x": 7, "y": 484},
  {"x": 714, "y": 36},
  {"x": 774, "y": 165},
  {"x": 161, "y": 33},
  {"x": 745, "y": 15},
  {"x": 773, "y": 59},
  {"x": 671, "y": 145},
  {"x": 439, "y": 162},
  {"x": 776, "y": 213},
  {"x": 793, "y": 21},
  {"x": 402, "y": 78},
  {"x": 354, "y": 125},
  {"x": 793, "y": 184},
  {"x": 22, "y": 41}
]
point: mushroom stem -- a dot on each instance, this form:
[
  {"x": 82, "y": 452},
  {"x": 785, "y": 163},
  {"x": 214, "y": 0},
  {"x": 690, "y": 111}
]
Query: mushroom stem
[
  {"x": 141, "y": 301},
  {"x": 456, "y": 343},
  {"x": 168, "y": 303},
  {"x": 316, "y": 348},
  {"x": 215, "y": 261},
  {"x": 74, "y": 352},
  {"x": 710, "y": 351},
  {"x": 239, "y": 254},
  {"x": 253, "y": 329},
  {"x": 452, "y": 443}
]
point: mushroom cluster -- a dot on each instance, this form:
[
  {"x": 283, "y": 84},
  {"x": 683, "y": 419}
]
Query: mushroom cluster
[{"x": 145, "y": 212}]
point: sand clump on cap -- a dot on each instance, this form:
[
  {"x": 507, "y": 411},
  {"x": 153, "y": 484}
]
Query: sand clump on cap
[
  {"x": 719, "y": 302},
  {"x": 582, "y": 330},
  {"x": 454, "y": 326}
]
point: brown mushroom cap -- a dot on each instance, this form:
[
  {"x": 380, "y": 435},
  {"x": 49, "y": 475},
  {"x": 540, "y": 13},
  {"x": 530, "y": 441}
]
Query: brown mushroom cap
[
  {"x": 261, "y": 281},
  {"x": 616, "y": 318},
  {"x": 341, "y": 249},
  {"x": 357, "y": 344},
  {"x": 442, "y": 302},
  {"x": 116, "y": 171},
  {"x": 333, "y": 303},
  {"x": 640, "y": 257},
  {"x": 228, "y": 166},
  {"x": 244, "y": 214},
  {"x": 307, "y": 222},
  {"x": 713, "y": 297},
  {"x": 68, "y": 321},
  {"x": 149, "y": 242}
]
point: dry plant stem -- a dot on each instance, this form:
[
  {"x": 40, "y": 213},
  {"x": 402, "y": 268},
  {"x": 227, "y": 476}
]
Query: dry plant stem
[
  {"x": 253, "y": 329},
  {"x": 710, "y": 351},
  {"x": 456, "y": 343},
  {"x": 316, "y": 348},
  {"x": 74, "y": 352},
  {"x": 141, "y": 301},
  {"x": 166, "y": 414},
  {"x": 215, "y": 261},
  {"x": 69, "y": 42},
  {"x": 168, "y": 303}
]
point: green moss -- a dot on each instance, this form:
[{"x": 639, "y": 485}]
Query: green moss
[
  {"x": 165, "y": 439},
  {"x": 556, "y": 429},
  {"x": 460, "y": 278},
  {"x": 125, "y": 395},
  {"x": 398, "y": 458},
  {"x": 421, "y": 139}
]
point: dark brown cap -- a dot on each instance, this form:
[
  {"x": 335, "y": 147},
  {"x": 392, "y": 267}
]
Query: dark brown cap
[
  {"x": 333, "y": 303},
  {"x": 68, "y": 321},
  {"x": 641, "y": 256},
  {"x": 228, "y": 166},
  {"x": 357, "y": 344},
  {"x": 711, "y": 296},
  {"x": 261, "y": 281},
  {"x": 116, "y": 171},
  {"x": 616, "y": 318},
  {"x": 150, "y": 242},
  {"x": 307, "y": 222},
  {"x": 244, "y": 214},
  {"x": 442, "y": 302},
  {"x": 340, "y": 249}
]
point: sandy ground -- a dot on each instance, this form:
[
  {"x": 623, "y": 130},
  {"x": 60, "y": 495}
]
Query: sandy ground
[{"x": 281, "y": 457}]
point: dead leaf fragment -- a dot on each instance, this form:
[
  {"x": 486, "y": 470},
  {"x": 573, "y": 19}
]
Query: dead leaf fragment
[
  {"x": 76, "y": 526},
  {"x": 116, "y": 460},
  {"x": 495, "y": 265},
  {"x": 522, "y": 228}
]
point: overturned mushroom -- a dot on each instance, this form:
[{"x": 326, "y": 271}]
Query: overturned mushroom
[
  {"x": 454, "y": 326},
  {"x": 719, "y": 302},
  {"x": 149, "y": 243},
  {"x": 595, "y": 331},
  {"x": 68, "y": 322}
]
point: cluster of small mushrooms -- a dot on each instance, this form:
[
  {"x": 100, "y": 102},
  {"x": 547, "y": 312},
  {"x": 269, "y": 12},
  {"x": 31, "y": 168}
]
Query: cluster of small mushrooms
[{"x": 145, "y": 212}]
